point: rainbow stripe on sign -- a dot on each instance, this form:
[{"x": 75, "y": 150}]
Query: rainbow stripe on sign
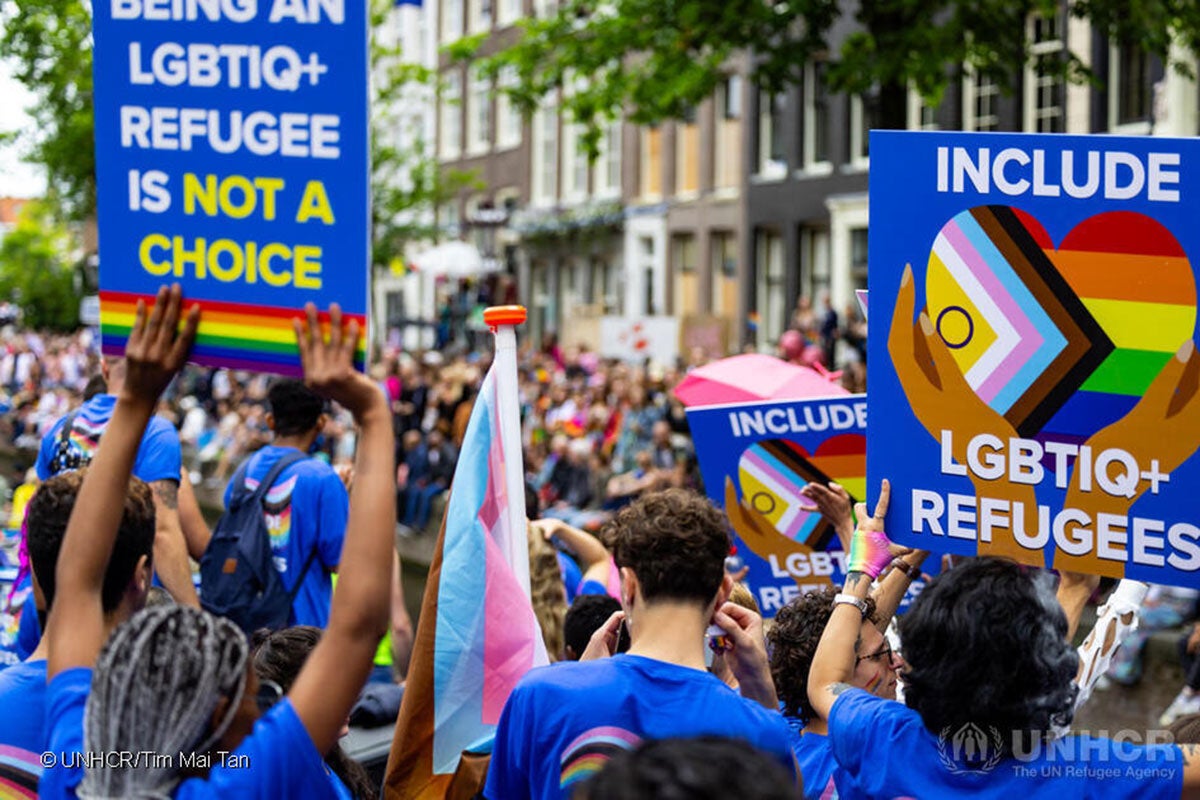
[{"x": 243, "y": 337}]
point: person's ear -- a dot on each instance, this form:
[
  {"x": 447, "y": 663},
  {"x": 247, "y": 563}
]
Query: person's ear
[
  {"x": 142, "y": 574},
  {"x": 322, "y": 421},
  {"x": 724, "y": 591},
  {"x": 629, "y": 587},
  {"x": 270, "y": 420}
]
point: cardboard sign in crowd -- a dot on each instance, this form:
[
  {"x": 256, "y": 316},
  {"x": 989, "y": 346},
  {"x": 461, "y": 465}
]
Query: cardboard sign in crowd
[{"x": 232, "y": 158}]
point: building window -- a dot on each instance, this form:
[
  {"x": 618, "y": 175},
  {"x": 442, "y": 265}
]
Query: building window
[
  {"x": 683, "y": 265},
  {"x": 723, "y": 252},
  {"x": 858, "y": 257},
  {"x": 545, "y": 155},
  {"x": 480, "y": 19},
  {"x": 479, "y": 114},
  {"x": 815, "y": 256},
  {"x": 727, "y": 134},
  {"x": 1045, "y": 87},
  {"x": 544, "y": 9},
  {"x": 921, "y": 115},
  {"x": 448, "y": 219},
  {"x": 452, "y": 20},
  {"x": 772, "y": 161},
  {"x": 508, "y": 119},
  {"x": 730, "y": 94},
  {"x": 687, "y": 155},
  {"x": 607, "y": 168},
  {"x": 508, "y": 12},
  {"x": 574, "y": 163},
  {"x": 981, "y": 98},
  {"x": 1130, "y": 90},
  {"x": 450, "y": 117},
  {"x": 816, "y": 118},
  {"x": 861, "y": 120},
  {"x": 772, "y": 295},
  {"x": 651, "y": 166},
  {"x": 646, "y": 258}
]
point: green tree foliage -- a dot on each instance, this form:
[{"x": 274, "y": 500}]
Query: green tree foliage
[
  {"x": 653, "y": 59},
  {"x": 37, "y": 272},
  {"x": 49, "y": 43}
]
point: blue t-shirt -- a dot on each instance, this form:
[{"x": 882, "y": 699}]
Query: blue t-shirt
[
  {"x": 306, "y": 508},
  {"x": 884, "y": 750},
  {"x": 22, "y": 733},
  {"x": 563, "y": 722},
  {"x": 571, "y": 575},
  {"x": 277, "y": 759},
  {"x": 814, "y": 757},
  {"x": 158, "y": 457}
]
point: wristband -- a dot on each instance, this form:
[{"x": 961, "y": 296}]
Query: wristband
[
  {"x": 841, "y": 598},
  {"x": 908, "y": 569}
]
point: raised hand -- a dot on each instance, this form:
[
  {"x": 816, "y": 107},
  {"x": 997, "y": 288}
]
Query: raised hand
[
  {"x": 604, "y": 641},
  {"x": 833, "y": 503},
  {"x": 156, "y": 348},
  {"x": 871, "y": 551},
  {"x": 747, "y": 653},
  {"x": 329, "y": 363}
]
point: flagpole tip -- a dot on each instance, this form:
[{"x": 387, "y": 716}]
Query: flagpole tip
[{"x": 504, "y": 315}]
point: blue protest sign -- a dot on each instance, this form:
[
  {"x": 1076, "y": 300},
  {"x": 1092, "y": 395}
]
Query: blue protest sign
[
  {"x": 755, "y": 458},
  {"x": 232, "y": 157},
  {"x": 1033, "y": 377}
]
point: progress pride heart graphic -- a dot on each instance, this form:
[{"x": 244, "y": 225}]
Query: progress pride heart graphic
[{"x": 1061, "y": 342}]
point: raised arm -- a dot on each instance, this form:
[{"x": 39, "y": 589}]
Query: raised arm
[
  {"x": 170, "y": 545},
  {"x": 833, "y": 664},
  {"x": 890, "y": 591},
  {"x": 1074, "y": 589},
  {"x": 587, "y": 549},
  {"x": 331, "y": 679},
  {"x": 195, "y": 529},
  {"x": 153, "y": 354}
]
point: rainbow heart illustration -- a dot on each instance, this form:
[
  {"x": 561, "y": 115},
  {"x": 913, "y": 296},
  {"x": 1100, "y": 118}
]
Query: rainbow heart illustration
[
  {"x": 1060, "y": 341},
  {"x": 771, "y": 474}
]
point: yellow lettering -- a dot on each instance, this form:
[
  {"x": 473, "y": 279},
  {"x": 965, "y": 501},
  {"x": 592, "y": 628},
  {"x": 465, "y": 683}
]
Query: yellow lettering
[
  {"x": 193, "y": 193},
  {"x": 194, "y": 257},
  {"x": 271, "y": 277},
  {"x": 155, "y": 268},
  {"x": 307, "y": 273},
  {"x": 315, "y": 203},
  {"x": 268, "y": 186},
  {"x": 234, "y": 270},
  {"x": 249, "y": 197}
]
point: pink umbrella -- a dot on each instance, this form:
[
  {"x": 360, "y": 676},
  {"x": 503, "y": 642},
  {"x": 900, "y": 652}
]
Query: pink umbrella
[{"x": 754, "y": 376}]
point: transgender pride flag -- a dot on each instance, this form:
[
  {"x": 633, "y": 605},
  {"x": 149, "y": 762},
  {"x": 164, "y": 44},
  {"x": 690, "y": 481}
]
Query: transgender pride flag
[{"x": 477, "y": 634}]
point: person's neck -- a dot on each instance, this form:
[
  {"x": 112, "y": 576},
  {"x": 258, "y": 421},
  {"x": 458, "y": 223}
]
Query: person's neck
[
  {"x": 671, "y": 632},
  {"x": 301, "y": 442},
  {"x": 111, "y": 621},
  {"x": 817, "y": 725}
]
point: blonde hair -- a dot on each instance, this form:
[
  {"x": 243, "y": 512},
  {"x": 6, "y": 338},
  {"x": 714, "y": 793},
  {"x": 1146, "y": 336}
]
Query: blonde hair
[
  {"x": 742, "y": 596},
  {"x": 546, "y": 589}
]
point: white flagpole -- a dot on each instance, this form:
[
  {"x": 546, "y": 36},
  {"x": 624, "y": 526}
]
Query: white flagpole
[{"x": 503, "y": 320}]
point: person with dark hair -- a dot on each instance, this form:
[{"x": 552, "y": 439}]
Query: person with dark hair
[
  {"x": 562, "y": 722},
  {"x": 278, "y": 657},
  {"x": 306, "y": 507},
  {"x": 587, "y": 615},
  {"x": 1185, "y": 730},
  {"x": 178, "y": 681},
  {"x": 125, "y": 585},
  {"x": 705, "y": 768},
  {"x": 73, "y": 441},
  {"x": 988, "y": 677}
]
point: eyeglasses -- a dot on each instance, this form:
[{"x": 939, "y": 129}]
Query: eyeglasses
[
  {"x": 269, "y": 693},
  {"x": 883, "y": 656}
]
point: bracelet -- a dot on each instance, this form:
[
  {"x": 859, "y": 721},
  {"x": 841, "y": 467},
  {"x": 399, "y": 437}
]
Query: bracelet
[
  {"x": 908, "y": 569},
  {"x": 841, "y": 598}
]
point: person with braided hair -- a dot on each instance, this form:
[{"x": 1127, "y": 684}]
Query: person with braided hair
[{"x": 171, "y": 706}]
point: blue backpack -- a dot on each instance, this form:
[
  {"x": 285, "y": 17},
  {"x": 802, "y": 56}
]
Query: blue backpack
[{"x": 238, "y": 579}]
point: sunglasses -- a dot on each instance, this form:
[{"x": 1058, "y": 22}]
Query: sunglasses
[
  {"x": 269, "y": 693},
  {"x": 883, "y": 656}
]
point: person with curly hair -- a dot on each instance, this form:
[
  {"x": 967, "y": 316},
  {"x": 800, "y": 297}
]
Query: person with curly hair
[
  {"x": 792, "y": 642},
  {"x": 988, "y": 677},
  {"x": 563, "y": 722}
]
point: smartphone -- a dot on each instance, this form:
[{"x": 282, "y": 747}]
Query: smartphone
[{"x": 622, "y": 639}]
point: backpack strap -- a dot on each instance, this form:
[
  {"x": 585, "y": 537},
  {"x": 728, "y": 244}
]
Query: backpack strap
[
  {"x": 268, "y": 480},
  {"x": 62, "y": 446},
  {"x": 64, "y": 434},
  {"x": 295, "y": 590}
]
